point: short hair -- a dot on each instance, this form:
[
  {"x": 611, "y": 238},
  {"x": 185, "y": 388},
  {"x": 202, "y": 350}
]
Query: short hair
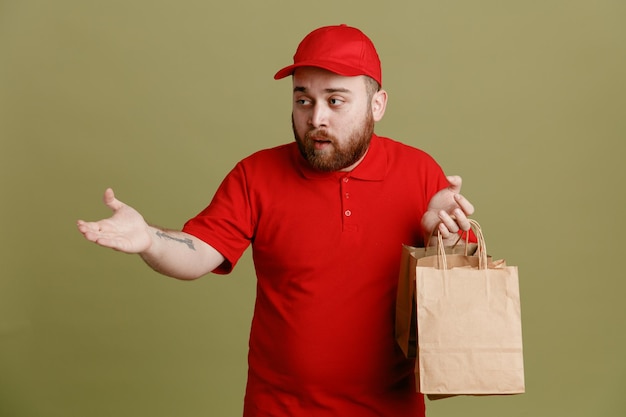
[{"x": 371, "y": 86}]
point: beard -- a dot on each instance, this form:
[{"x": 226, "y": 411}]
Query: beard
[{"x": 339, "y": 155}]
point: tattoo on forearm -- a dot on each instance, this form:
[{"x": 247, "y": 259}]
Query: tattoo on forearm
[{"x": 186, "y": 241}]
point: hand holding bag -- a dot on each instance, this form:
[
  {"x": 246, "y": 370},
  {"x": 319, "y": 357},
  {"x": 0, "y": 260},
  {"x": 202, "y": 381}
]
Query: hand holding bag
[{"x": 469, "y": 334}]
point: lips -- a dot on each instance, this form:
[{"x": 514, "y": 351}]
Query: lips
[
  {"x": 321, "y": 144},
  {"x": 321, "y": 140},
  {"x": 318, "y": 136}
]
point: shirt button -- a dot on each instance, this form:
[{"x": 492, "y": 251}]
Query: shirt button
[
  {"x": 346, "y": 179},
  {"x": 348, "y": 213},
  {"x": 347, "y": 195}
]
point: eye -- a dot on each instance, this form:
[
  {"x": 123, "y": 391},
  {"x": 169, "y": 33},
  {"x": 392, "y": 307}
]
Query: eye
[
  {"x": 303, "y": 101},
  {"x": 335, "y": 101}
]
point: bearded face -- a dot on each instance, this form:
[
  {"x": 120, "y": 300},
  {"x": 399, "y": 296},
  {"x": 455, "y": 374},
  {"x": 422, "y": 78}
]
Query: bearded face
[{"x": 326, "y": 152}]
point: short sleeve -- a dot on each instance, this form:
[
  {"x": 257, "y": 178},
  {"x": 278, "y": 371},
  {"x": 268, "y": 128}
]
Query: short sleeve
[{"x": 226, "y": 223}]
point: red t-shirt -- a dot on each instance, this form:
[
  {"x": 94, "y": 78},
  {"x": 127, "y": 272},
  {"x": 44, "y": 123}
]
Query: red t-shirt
[{"x": 326, "y": 249}]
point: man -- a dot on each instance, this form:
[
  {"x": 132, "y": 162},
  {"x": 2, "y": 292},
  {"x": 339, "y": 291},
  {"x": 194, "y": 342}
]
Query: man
[{"x": 326, "y": 216}]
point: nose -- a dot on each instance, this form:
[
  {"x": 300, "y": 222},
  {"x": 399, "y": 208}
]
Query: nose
[{"x": 318, "y": 116}]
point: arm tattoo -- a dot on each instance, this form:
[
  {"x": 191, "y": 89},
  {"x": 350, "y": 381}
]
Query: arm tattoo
[{"x": 186, "y": 241}]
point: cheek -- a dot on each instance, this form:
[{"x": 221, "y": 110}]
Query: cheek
[
  {"x": 348, "y": 123},
  {"x": 300, "y": 121}
]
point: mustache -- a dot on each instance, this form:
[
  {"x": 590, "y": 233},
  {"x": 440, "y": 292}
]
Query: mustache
[{"x": 319, "y": 134}]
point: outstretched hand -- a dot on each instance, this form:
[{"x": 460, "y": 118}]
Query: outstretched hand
[
  {"x": 125, "y": 231},
  {"x": 448, "y": 212}
]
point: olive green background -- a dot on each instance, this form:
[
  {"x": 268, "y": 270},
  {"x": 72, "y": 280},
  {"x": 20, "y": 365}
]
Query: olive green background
[{"x": 159, "y": 99}]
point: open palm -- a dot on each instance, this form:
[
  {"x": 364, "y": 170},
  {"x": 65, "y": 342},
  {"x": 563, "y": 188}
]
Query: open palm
[{"x": 125, "y": 231}]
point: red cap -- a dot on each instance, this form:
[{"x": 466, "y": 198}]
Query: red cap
[{"x": 341, "y": 49}]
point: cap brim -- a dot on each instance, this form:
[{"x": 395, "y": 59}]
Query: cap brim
[
  {"x": 285, "y": 72},
  {"x": 345, "y": 70}
]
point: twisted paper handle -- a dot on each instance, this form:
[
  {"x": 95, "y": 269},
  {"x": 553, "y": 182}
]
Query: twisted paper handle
[{"x": 481, "y": 252}]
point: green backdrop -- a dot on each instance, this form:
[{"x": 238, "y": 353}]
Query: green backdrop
[{"x": 159, "y": 99}]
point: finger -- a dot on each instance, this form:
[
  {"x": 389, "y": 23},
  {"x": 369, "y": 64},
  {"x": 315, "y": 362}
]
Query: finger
[
  {"x": 464, "y": 204},
  {"x": 443, "y": 231},
  {"x": 455, "y": 183},
  {"x": 461, "y": 219},
  {"x": 87, "y": 227},
  {"x": 90, "y": 232},
  {"x": 110, "y": 201},
  {"x": 448, "y": 224},
  {"x": 94, "y": 232}
]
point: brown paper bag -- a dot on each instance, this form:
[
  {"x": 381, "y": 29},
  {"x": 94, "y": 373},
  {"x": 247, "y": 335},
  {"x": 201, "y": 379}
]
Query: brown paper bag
[
  {"x": 469, "y": 334},
  {"x": 405, "y": 322}
]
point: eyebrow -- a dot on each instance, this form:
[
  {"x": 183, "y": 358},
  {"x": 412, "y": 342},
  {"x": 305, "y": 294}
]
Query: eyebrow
[{"x": 326, "y": 90}]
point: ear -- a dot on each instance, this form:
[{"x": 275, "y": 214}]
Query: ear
[{"x": 379, "y": 104}]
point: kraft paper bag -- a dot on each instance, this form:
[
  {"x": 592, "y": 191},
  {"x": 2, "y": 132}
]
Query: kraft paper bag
[
  {"x": 405, "y": 321},
  {"x": 468, "y": 321}
]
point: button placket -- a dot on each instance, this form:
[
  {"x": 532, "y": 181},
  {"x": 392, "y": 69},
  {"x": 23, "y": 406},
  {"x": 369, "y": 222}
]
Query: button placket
[{"x": 347, "y": 213}]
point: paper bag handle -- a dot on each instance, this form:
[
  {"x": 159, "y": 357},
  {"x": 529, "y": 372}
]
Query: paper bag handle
[
  {"x": 432, "y": 232},
  {"x": 481, "y": 252}
]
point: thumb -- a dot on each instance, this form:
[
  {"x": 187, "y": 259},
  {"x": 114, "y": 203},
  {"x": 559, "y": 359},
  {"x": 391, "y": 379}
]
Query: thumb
[
  {"x": 455, "y": 183},
  {"x": 110, "y": 201}
]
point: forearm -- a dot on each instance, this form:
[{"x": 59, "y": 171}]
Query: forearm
[{"x": 180, "y": 255}]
